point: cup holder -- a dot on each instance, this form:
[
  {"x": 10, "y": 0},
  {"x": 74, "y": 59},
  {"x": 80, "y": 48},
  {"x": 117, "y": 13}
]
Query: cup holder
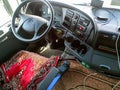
[
  {"x": 75, "y": 44},
  {"x": 82, "y": 49},
  {"x": 69, "y": 39}
]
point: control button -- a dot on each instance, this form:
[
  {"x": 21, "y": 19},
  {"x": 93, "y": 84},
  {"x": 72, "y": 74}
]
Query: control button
[
  {"x": 68, "y": 19},
  {"x": 74, "y": 23},
  {"x": 78, "y": 32},
  {"x": 70, "y": 13},
  {"x": 77, "y": 16},
  {"x": 84, "y": 21},
  {"x": 82, "y": 28},
  {"x": 66, "y": 24}
]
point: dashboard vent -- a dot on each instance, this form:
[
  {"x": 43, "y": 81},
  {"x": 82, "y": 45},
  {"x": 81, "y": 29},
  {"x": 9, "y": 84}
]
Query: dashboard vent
[{"x": 68, "y": 19}]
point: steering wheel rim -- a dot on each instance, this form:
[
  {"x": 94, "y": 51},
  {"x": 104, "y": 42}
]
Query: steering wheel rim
[{"x": 17, "y": 13}]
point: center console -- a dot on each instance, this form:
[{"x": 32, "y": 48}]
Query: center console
[
  {"x": 79, "y": 28},
  {"x": 94, "y": 51}
]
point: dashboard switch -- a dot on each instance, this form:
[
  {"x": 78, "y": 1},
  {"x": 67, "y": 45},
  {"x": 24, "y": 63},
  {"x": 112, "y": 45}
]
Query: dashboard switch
[{"x": 82, "y": 28}]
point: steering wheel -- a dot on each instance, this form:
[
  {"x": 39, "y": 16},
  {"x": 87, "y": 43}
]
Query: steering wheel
[{"x": 31, "y": 25}]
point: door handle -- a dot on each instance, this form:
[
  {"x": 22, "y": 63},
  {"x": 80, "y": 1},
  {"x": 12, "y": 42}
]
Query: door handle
[{"x": 105, "y": 67}]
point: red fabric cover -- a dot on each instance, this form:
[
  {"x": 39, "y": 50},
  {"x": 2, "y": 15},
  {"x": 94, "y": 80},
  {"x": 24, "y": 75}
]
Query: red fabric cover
[{"x": 25, "y": 70}]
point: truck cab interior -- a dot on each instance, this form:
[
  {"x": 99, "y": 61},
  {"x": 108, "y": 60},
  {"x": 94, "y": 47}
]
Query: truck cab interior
[{"x": 84, "y": 33}]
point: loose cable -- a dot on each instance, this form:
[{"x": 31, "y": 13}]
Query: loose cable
[
  {"x": 116, "y": 85},
  {"x": 84, "y": 82},
  {"x": 99, "y": 79}
]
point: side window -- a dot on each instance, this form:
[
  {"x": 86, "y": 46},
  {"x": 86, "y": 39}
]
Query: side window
[
  {"x": 14, "y": 4},
  {"x": 4, "y": 16},
  {"x": 115, "y": 2},
  {"x": 7, "y": 8}
]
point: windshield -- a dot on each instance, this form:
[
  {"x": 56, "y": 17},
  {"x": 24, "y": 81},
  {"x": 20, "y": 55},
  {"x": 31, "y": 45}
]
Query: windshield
[
  {"x": 7, "y": 7},
  {"x": 112, "y": 3},
  {"x": 74, "y": 1},
  {"x": 106, "y": 3}
]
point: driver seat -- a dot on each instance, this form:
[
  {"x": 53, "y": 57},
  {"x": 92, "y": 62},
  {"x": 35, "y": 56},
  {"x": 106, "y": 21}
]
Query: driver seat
[{"x": 25, "y": 70}]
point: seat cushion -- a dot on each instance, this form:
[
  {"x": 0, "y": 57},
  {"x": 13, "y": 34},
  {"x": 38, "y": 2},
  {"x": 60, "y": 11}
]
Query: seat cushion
[{"x": 24, "y": 70}]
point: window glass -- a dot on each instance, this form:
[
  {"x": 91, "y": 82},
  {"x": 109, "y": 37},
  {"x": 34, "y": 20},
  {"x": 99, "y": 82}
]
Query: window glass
[
  {"x": 4, "y": 16},
  {"x": 115, "y": 2},
  {"x": 14, "y": 4},
  {"x": 7, "y": 7}
]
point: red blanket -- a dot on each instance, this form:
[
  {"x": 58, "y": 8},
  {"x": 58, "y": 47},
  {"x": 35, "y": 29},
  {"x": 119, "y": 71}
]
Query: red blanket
[{"x": 25, "y": 70}]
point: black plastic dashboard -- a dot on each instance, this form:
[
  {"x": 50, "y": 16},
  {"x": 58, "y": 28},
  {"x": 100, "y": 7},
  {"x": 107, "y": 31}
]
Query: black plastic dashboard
[
  {"x": 78, "y": 24},
  {"x": 99, "y": 50},
  {"x": 93, "y": 37},
  {"x": 91, "y": 34}
]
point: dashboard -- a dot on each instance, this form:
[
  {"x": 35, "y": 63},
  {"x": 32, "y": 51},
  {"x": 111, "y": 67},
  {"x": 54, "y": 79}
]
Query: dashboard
[{"x": 91, "y": 34}]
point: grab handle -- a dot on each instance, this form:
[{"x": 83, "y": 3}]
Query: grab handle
[{"x": 105, "y": 67}]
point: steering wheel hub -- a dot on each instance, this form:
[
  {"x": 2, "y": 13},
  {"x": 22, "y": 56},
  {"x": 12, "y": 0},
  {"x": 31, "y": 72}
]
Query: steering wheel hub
[{"x": 33, "y": 24}]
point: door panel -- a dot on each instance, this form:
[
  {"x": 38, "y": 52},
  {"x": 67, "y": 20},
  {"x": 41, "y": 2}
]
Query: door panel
[{"x": 9, "y": 45}]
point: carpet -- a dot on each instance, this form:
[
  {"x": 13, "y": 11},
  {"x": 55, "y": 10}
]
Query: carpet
[
  {"x": 80, "y": 78},
  {"x": 77, "y": 77}
]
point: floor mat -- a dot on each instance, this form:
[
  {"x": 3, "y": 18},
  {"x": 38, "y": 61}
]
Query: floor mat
[{"x": 80, "y": 78}]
